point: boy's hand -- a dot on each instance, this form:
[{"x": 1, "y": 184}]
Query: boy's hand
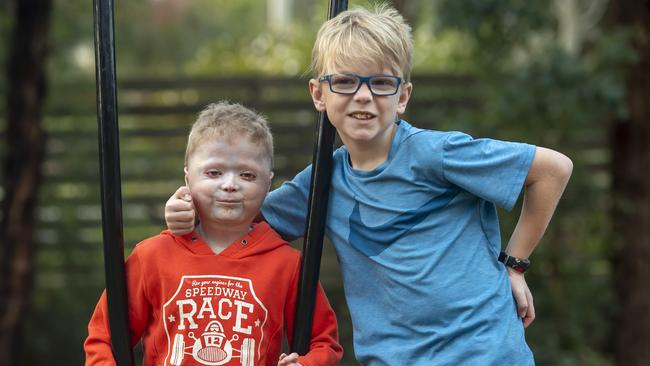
[
  {"x": 179, "y": 212},
  {"x": 523, "y": 297},
  {"x": 289, "y": 360}
]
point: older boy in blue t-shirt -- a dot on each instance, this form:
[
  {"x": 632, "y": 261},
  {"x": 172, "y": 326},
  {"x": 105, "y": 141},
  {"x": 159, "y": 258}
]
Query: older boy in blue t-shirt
[{"x": 412, "y": 212}]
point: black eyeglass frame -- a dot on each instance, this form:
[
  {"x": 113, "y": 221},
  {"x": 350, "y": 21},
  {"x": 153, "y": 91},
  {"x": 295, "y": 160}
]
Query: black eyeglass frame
[{"x": 362, "y": 80}]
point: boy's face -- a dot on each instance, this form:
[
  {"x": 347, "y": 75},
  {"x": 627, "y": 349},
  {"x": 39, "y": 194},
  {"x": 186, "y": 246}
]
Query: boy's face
[
  {"x": 228, "y": 181},
  {"x": 361, "y": 118}
]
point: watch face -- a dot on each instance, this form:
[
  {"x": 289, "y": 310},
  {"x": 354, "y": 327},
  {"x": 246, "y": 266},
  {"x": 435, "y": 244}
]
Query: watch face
[
  {"x": 519, "y": 269},
  {"x": 518, "y": 264}
]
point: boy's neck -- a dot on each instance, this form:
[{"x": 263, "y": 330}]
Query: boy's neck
[
  {"x": 219, "y": 238},
  {"x": 370, "y": 154}
]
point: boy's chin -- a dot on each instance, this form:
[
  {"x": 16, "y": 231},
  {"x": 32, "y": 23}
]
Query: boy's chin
[
  {"x": 362, "y": 137},
  {"x": 228, "y": 223}
]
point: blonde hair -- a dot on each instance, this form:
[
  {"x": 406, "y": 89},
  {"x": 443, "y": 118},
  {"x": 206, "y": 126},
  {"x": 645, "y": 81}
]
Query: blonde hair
[
  {"x": 380, "y": 36},
  {"x": 229, "y": 120}
]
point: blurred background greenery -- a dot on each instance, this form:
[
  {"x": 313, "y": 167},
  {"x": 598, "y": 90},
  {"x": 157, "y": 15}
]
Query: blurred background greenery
[{"x": 566, "y": 74}]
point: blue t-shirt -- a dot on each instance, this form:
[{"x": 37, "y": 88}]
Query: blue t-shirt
[{"x": 418, "y": 239}]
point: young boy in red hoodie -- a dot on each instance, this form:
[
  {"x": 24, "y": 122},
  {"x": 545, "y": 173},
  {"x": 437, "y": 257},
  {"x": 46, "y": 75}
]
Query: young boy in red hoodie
[{"x": 225, "y": 293}]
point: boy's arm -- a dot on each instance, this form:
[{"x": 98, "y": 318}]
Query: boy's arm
[
  {"x": 98, "y": 344},
  {"x": 548, "y": 176},
  {"x": 324, "y": 348}
]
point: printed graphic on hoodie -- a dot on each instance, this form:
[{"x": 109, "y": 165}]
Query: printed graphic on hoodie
[{"x": 214, "y": 320}]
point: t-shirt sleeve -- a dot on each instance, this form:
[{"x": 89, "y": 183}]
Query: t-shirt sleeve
[
  {"x": 491, "y": 169},
  {"x": 285, "y": 208}
]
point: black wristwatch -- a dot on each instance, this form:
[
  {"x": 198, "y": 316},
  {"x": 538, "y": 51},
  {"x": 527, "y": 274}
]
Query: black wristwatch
[{"x": 518, "y": 264}]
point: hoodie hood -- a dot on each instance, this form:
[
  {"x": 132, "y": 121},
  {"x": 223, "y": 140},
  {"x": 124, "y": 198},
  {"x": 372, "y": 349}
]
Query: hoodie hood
[{"x": 261, "y": 239}]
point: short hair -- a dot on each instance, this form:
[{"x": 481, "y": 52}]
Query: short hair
[
  {"x": 229, "y": 120},
  {"x": 380, "y": 36}
]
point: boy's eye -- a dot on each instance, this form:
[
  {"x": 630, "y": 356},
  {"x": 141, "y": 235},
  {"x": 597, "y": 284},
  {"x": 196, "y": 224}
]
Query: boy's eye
[
  {"x": 248, "y": 176},
  {"x": 343, "y": 80},
  {"x": 213, "y": 173},
  {"x": 383, "y": 82}
]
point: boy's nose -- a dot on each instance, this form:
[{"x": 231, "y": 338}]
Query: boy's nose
[
  {"x": 364, "y": 93},
  {"x": 229, "y": 182}
]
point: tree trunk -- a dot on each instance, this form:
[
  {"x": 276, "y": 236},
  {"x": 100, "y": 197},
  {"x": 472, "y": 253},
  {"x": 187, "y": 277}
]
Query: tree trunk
[
  {"x": 22, "y": 166},
  {"x": 630, "y": 146}
]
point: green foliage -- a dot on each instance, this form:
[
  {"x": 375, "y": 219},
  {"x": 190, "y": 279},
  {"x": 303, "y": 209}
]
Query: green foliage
[
  {"x": 71, "y": 40},
  {"x": 556, "y": 96},
  {"x": 495, "y": 26},
  {"x": 220, "y": 37}
]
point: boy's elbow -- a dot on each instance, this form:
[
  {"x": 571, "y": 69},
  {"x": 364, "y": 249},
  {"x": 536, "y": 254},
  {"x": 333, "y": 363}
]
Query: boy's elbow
[
  {"x": 560, "y": 170},
  {"x": 564, "y": 167},
  {"x": 550, "y": 166}
]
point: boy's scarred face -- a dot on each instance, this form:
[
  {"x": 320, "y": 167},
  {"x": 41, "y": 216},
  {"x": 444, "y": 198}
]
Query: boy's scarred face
[
  {"x": 228, "y": 181},
  {"x": 361, "y": 118}
]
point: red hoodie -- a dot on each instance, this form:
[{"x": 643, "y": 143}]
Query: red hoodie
[{"x": 191, "y": 306}]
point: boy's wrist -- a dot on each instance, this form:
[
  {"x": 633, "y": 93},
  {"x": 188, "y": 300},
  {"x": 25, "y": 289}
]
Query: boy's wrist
[
  {"x": 519, "y": 265},
  {"x": 512, "y": 272}
]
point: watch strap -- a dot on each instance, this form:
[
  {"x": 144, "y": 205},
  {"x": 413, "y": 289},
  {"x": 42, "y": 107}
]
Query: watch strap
[{"x": 518, "y": 264}]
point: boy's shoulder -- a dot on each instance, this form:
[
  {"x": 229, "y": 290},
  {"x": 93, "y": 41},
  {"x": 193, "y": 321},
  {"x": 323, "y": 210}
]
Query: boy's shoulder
[
  {"x": 422, "y": 138},
  {"x": 408, "y": 131},
  {"x": 156, "y": 243},
  {"x": 448, "y": 140},
  {"x": 164, "y": 236},
  {"x": 275, "y": 241}
]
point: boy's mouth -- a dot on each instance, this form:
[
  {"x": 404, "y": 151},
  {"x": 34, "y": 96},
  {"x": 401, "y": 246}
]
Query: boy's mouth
[
  {"x": 362, "y": 115},
  {"x": 228, "y": 202}
]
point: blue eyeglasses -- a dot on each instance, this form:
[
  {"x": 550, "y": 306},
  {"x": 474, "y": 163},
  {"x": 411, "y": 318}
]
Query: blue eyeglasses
[{"x": 381, "y": 85}]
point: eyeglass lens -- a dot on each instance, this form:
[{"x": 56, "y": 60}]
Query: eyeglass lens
[{"x": 380, "y": 85}]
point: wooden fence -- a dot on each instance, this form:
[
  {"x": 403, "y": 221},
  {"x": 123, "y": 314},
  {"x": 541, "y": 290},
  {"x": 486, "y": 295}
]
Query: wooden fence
[{"x": 154, "y": 121}]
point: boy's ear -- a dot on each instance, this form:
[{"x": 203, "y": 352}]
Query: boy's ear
[
  {"x": 317, "y": 95},
  {"x": 185, "y": 171},
  {"x": 404, "y": 96},
  {"x": 270, "y": 180}
]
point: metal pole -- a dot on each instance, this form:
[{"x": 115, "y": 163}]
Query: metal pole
[
  {"x": 317, "y": 212},
  {"x": 109, "y": 156}
]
